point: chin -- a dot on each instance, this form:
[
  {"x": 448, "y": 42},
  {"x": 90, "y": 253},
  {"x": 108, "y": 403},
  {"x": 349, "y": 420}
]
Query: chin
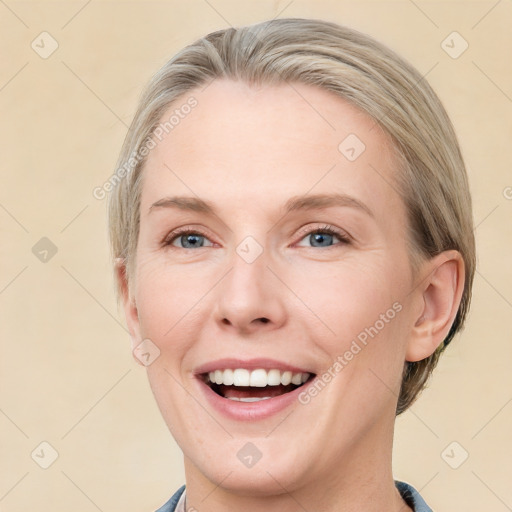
[
  {"x": 241, "y": 468},
  {"x": 254, "y": 482}
]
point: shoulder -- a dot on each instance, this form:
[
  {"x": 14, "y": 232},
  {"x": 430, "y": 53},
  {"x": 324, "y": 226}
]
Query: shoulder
[
  {"x": 170, "y": 506},
  {"x": 412, "y": 497}
]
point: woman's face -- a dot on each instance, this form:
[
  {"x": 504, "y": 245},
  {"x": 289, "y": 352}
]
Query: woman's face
[{"x": 295, "y": 265}]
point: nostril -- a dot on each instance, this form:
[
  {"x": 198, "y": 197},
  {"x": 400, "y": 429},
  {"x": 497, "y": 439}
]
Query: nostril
[{"x": 263, "y": 320}]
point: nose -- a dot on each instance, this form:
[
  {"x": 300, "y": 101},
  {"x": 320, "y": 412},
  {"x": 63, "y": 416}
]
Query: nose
[{"x": 250, "y": 297}]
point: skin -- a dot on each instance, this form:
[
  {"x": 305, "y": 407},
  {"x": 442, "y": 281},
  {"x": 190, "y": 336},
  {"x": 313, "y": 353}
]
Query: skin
[{"x": 248, "y": 150}]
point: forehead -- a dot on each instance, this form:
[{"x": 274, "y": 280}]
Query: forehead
[{"x": 247, "y": 146}]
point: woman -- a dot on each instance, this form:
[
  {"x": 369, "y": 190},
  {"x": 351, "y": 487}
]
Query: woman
[{"x": 293, "y": 245}]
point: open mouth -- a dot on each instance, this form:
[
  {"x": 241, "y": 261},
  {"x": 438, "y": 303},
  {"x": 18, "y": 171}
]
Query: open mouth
[{"x": 245, "y": 385}]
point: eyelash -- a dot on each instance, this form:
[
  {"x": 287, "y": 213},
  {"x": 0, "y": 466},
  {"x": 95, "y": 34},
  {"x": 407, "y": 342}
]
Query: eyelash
[
  {"x": 330, "y": 230},
  {"x": 343, "y": 237},
  {"x": 169, "y": 239}
]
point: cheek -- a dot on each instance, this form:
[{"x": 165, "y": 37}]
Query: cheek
[
  {"x": 363, "y": 317},
  {"x": 169, "y": 298},
  {"x": 347, "y": 297}
]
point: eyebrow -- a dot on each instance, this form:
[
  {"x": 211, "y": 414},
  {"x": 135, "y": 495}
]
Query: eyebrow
[{"x": 306, "y": 202}]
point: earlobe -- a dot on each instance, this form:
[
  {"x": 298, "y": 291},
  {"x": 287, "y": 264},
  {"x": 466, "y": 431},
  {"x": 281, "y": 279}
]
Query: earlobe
[{"x": 441, "y": 293}]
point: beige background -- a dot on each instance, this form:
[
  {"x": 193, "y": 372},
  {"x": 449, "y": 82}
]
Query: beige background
[{"x": 66, "y": 373}]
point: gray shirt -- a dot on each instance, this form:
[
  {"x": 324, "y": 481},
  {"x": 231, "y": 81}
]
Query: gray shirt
[{"x": 410, "y": 495}]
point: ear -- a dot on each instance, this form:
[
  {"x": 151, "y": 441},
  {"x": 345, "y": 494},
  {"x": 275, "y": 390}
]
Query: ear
[
  {"x": 129, "y": 305},
  {"x": 440, "y": 293}
]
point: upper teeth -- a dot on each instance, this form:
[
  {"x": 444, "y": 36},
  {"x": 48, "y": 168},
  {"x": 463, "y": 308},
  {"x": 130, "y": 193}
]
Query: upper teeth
[{"x": 257, "y": 378}]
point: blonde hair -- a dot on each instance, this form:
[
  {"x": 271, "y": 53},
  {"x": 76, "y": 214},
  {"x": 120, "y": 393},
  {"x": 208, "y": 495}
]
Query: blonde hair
[{"x": 432, "y": 178}]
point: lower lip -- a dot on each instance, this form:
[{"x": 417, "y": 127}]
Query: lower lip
[{"x": 250, "y": 411}]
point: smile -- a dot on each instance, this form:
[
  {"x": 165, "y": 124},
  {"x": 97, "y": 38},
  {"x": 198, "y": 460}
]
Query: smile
[
  {"x": 251, "y": 389},
  {"x": 243, "y": 385}
]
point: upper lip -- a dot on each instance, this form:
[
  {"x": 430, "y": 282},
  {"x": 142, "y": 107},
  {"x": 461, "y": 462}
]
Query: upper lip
[{"x": 248, "y": 364}]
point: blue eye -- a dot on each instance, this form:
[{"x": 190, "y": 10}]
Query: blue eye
[
  {"x": 188, "y": 240},
  {"x": 324, "y": 237},
  {"x": 321, "y": 239}
]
